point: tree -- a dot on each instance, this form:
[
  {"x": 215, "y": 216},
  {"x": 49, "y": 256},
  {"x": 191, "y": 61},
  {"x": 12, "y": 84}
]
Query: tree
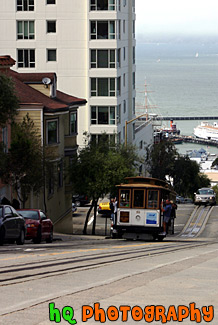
[
  {"x": 164, "y": 160},
  {"x": 9, "y": 102},
  {"x": 187, "y": 176},
  {"x": 23, "y": 167},
  {"x": 160, "y": 159},
  {"x": 98, "y": 168}
]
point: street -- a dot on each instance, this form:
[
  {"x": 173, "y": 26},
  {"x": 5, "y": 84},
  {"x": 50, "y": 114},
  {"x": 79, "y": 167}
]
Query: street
[{"x": 39, "y": 281}]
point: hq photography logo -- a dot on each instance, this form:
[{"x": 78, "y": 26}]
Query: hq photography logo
[{"x": 123, "y": 313}]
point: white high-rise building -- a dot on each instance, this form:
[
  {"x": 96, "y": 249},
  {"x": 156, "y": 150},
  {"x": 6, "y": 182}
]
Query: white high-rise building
[{"x": 90, "y": 44}]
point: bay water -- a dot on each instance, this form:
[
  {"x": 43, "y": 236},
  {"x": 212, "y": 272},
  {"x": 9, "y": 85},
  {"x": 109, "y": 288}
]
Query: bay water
[{"x": 181, "y": 79}]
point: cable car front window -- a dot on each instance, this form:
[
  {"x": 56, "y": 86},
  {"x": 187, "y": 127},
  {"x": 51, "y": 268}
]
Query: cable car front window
[
  {"x": 125, "y": 198},
  {"x": 152, "y": 199},
  {"x": 138, "y": 200}
]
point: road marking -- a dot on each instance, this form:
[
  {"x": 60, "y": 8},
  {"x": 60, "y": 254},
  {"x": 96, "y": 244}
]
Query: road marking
[
  {"x": 79, "y": 251},
  {"x": 91, "y": 220}
]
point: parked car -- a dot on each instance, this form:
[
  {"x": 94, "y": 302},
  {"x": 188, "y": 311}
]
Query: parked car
[
  {"x": 74, "y": 208},
  {"x": 180, "y": 199},
  {"x": 80, "y": 200},
  {"x": 104, "y": 208},
  {"x": 205, "y": 196},
  {"x": 38, "y": 226},
  {"x": 12, "y": 225}
]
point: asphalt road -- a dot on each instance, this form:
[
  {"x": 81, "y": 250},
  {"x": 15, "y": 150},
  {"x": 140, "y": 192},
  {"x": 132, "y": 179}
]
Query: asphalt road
[{"x": 77, "y": 271}]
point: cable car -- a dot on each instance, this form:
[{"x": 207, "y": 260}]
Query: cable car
[{"x": 139, "y": 214}]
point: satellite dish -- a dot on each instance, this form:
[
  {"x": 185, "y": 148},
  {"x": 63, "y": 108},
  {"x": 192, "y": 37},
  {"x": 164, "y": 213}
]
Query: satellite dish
[{"x": 46, "y": 81}]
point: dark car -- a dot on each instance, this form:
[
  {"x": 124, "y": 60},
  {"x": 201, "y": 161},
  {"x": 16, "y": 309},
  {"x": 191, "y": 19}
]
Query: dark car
[
  {"x": 80, "y": 200},
  {"x": 12, "y": 225},
  {"x": 38, "y": 226}
]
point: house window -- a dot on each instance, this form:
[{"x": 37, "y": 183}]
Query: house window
[
  {"x": 52, "y": 131},
  {"x": 105, "y": 86},
  {"x": 103, "y": 115},
  {"x": 51, "y": 2},
  {"x": 51, "y": 55},
  {"x": 51, "y": 26},
  {"x": 25, "y": 5},
  {"x": 25, "y": 30},
  {"x": 26, "y": 58},
  {"x": 51, "y": 180},
  {"x": 73, "y": 122},
  {"x": 102, "y": 58},
  {"x": 5, "y": 139},
  {"x": 103, "y": 29},
  {"x": 60, "y": 174}
]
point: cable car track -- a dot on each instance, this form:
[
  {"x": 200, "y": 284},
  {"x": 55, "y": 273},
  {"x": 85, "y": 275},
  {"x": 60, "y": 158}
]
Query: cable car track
[
  {"x": 22, "y": 272},
  {"x": 196, "y": 222}
]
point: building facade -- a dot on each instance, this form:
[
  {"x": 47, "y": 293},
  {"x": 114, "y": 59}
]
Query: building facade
[
  {"x": 54, "y": 114},
  {"x": 90, "y": 44}
]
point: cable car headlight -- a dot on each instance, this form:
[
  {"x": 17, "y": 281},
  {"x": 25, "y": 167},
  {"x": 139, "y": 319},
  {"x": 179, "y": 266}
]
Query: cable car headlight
[{"x": 124, "y": 216}]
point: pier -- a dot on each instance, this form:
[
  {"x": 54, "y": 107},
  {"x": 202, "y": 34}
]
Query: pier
[
  {"x": 185, "y": 118},
  {"x": 191, "y": 139}
]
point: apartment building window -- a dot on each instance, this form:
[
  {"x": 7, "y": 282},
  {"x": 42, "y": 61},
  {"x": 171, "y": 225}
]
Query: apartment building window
[
  {"x": 118, "y": 86},
  {"x": 73, "y": 122},
  {"x": 133, "y": 131},
  {"x": 124, "y": 26},
  {"x": 102, "y": 5},
  {"x": 133, "y": 5},
  {"x": 133, "y": 55},
  {"x": 26, "y": 58},
  {"x": 103, "y": 29},
  {"x": 118, "y": 113},
  {"x": 118, "y": 58},
  {"x": 133, "y": 105},
  {"x": 103, "y": 137},
  {"x": 133, "y": 29},
  {"x": 25, "y": 5},
  {"x": 124, "y": 54},
  {"x": 52, "y": 131},
  {"x": 124, "y": 3},
  {"x": 105, "y": 86},
  {"x": 25, "y": 30},
  {"x": 51, "y": 55},
  {"x": 103, "y": 115},
  {"x": 133, "y": 80},
  {"x": 124, "y": 106},
  {"x": 124, "y": 80},
  {"x": 51, "y": 2},
  {"x": 118, "y": 29},
  {"x": 103, "y": 59},
  {"x": 51, "y": 26}
]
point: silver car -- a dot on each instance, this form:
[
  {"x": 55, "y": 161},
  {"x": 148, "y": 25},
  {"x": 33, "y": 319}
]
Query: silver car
[{"x": 205, "y": 196}]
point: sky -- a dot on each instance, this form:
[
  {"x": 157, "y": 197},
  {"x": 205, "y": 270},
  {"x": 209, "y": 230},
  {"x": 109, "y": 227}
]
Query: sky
[{"x": 176, "y": 17}]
